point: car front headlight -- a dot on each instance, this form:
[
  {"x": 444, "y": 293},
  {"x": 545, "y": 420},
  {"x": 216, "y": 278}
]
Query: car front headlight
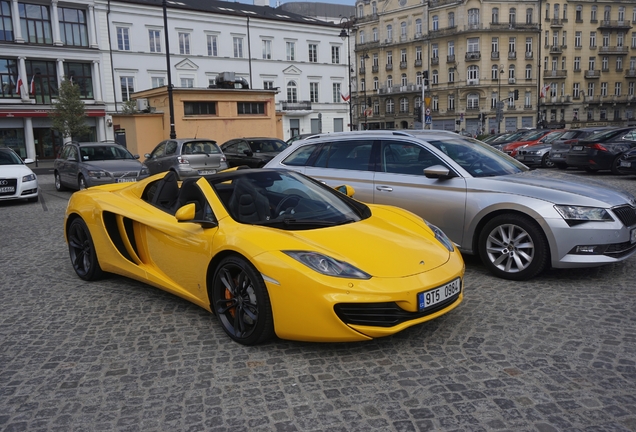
[
  {"x": 441, "y": 237},
  {"x": 97, "y": 173},
  {"x": 326, "y": 265},
  {"x": 583, "y": 214},
  {"x": 144, "y": 170},
  {"x": 28, "y": 178}
]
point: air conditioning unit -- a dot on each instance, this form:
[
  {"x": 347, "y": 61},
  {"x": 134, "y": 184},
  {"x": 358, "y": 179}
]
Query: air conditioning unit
[{"x": 142, "y": 104}]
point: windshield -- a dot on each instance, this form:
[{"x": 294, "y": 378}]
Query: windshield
[
  {"x": 9, "y": 157},
  {"x": 266, "y": 146},
  {"x": 532, "y": 136},
  {"x": 552, "y": 136},
  {"x": 479, "y": 159},
  {"x": 284, "y": 199},
  {"x": 606, "y": 135},
  {"x": 106, "y": 152},
  {"x": 200, "y": 147}
]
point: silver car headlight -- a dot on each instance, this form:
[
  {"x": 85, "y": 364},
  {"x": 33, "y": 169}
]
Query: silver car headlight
[
  {"x": 326, "y": 265},
  {"x": 583, "y": 214},
  {"x": 441, "y": 237},
  {"x": 98, "y": 173},
  {"x": 28, "y": 178}
]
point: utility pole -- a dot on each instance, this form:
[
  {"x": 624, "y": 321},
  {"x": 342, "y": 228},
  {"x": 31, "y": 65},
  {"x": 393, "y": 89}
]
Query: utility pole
[{"x": 173, "y": 133}]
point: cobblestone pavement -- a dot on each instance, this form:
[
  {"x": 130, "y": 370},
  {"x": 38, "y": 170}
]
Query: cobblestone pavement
[{"x": 557, "y": 353}]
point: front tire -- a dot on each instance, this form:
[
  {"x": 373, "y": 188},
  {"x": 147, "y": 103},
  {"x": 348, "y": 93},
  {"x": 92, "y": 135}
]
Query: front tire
[
  {"x": 546, "y": 162},
  {"x": 241, "y": 302},
  {"x": 82, "y": 251},
  {"x": 81, "y": 182},
  {"x": 513, "y": 247},
  {"x": 58, "y": 182},
  {"x": 616, "y": 163}
]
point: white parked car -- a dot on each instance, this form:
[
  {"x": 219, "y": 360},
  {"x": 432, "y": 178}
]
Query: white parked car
[
  {"x": 517, "y": 220},
  {"x": 17, "y": 181}
]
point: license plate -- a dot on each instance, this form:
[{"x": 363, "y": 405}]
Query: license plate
[
  {"x": 625, "y": 164},
  {"x": 556, "y": 155},
  {"x": 7, "y": 189},
  {"x": 432, "y": 297},
  {"x": 126, "y": 180},
  {"x": 206, "y": 172},
  {"x": 577, "y": 148},
  {"x": 632, "y": 238}
]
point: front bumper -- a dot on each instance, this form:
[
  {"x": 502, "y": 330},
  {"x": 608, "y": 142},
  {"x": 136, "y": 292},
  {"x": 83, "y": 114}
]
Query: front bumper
[{"x": 23, "y": 190}]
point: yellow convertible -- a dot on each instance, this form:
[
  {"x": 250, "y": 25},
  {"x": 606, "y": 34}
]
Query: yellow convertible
[{"x": 269, "y": 252}]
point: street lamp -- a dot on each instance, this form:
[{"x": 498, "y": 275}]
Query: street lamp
[
  {"x": 173, "y": 133},
  {"x": 499, "y": 101},
  {"x": 344, "y": 34},
  {"x": 364, "y": 68}
]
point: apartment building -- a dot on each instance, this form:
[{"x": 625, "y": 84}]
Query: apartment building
[{"x": 493, "y": 66}]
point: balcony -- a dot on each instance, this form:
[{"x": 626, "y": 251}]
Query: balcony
[
  {"x": 295, "y": 106},
  {"x": 472, "y": 56},
  {"x": 389, "y": 66},
  {"x": 375, "y": 68},
  {"x": 555, "y": 74},
  {"x": 529, "y": 55},
  {"x": 443, "y": 32},
  {"x": 592, "y": 74},
  {"x": 434, "y": 60},
  {"x": 630, "y": 73},
  {"x": 418, "y": 63},
  {"x": 450, "y": 58},
  {"x": 475, "y": 26},
  {"x": 436, "y": 3},
  {"x": 403, "y": 38},
  {"x": 362, "y": 70},
  {"x": 494, "y": 55},
  {"x": 511, "y": 80},
  {"x": 472, "y": 82},
  {"x": 614, "y": 25},
  {"x": 403, "y": 65},
  {"x": 556, "y": 49},
  {"x": 555, "y": 22},
  {"x": 613, "y": 50},
  {"x": 512, "y": 55}
]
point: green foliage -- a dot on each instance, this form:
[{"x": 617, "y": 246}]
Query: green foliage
[
  {"x": 69, "y": 113},
  {"x": 129, "y": 107}
]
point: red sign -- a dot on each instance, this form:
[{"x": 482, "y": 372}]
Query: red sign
[{"x": 9, "y": 113}]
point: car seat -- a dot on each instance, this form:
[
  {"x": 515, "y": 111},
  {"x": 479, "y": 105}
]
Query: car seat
[
  {"x": 167, "y": 192},
  {"x": 247, "y": 204},
  {"x": 190, "y": 194}
]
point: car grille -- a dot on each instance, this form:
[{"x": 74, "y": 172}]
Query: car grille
[
  {"x": 627, "y": 214},
  {"x": 6, "y": 183},
  {"x": 620, "y": 250},
  {"x": 383, "y": 314},
  {"x": 124, "y": 174}
]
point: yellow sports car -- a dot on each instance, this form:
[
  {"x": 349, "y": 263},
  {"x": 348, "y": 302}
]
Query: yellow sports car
[{"x": 269, "y": 252}]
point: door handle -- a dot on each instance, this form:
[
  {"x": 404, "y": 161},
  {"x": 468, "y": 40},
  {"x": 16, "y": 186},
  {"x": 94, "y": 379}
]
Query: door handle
[{"x": 384, "y": 188}]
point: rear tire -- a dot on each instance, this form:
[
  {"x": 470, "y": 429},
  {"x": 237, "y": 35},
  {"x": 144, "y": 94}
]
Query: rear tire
[
  {"x": 82, "y": 251},
  {"x": 513, "y": 246},
  {"x": 546, "y": 162},
  {"x": 616, "y": 165}
]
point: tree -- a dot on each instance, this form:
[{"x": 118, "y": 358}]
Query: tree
[{"x": 69, "y": 114}]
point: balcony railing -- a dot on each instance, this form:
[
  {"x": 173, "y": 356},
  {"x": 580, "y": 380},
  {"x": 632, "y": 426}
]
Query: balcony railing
[
  {"x": 362, "y": 70},
  {"x": 555, "y": 22},
  {"x": 450, "y": 58},
  {"x": 614, "y": 24},
  {"x": 613, "y": 50},
  {"x": 375, "y": 68},
  {"x": 389, "y": 66},
  {"x": 295, "y": 106},
  {"x": 475, "y": 55},
  {"x": 555, "y": 49},
  {"x": 403, "y": 65},
  {"x": 592, "y": 73},
  {"x": 529, "y": 55},
  {"x": 630, "y": 73},
  {"x": 555, "y": 73},
  {"x": 418, "y": 63},
  {"x": 512, "y": 55},
  {"x": 434, "y": 60},
  {"x": 494, "y": 55}
]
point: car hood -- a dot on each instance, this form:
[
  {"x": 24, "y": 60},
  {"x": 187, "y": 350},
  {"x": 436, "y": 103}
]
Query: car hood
[
  {"x": 114, "y": 165},
  {"x": 559, "y": 188},
  {"x": 14, "y": 171},
  {"x": 392, "y": 243}
]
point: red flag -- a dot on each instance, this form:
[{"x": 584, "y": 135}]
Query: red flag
[
  {"x": 32, "y": 87},
  {"x": 19, "y": 84},
  {"x": 345, "y": 98}
]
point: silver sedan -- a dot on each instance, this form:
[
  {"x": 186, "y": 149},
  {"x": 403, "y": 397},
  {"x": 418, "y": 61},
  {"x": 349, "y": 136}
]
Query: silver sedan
[{"x": 518, "y": 221}]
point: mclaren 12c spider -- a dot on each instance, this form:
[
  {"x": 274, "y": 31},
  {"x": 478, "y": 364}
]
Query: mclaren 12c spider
[{"x": 270, "y": 253}]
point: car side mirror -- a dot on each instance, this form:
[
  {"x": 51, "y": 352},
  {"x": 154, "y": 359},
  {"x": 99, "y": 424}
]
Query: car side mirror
[
  {"x": 438, "y": 172},
  {"x": 28, "y": 161},
  {"x": 136, "y": 156},
  {"x": 345, "y": 189},
  {"x": 147, "y": 155},
  {"x": 187, "y": 213},
  {"x": 248, "y": 152}
]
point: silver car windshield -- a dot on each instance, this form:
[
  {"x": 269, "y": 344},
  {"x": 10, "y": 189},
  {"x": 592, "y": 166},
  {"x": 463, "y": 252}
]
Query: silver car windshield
[
  {"x": 479, "y": 159},
  {"x": 100, "y": 153}
]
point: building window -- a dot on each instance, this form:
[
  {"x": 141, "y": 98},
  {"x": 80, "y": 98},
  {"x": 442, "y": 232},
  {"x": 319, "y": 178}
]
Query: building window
[
  {"x": 313, "y": 92},
  {"x": 494, "y": 72},
  {"x": 451, "y": 19},
  {"x": 44, "y": 78},
  {"x": 472, "y": 101},
  {"x": 495, "y": 15},
  {"x": 389, "y": 32},
  {"x": 123, "y": 39},
  {"x": 451, "y": 102},
  {"x": 213, "y": 49},
  {"x": 267, "y": 49},
  {"x": 376, "y": 83},
  {"x": 435, "y": 23},
  {"x": 529, "y": 45},
  {"x": 154, "y": 37},
  {"x": 36, "y": 23},
  {"x": 473, "y": 73},
  {"x": 250, "y": 108},
  {"x": 418, "y": 27},
  {"x": 268, "y": 85},
  {"x": 157, "y": 82},
  {"x": 292, "y": 92},
  {"x": 578, "y": 14},
  {"x": 435, "y": 77},
  {"x": 593, "y": 14},
  {"x": 73, "y": 30},
  {"x": 528, "y": 16},
  {"x": 451, "y": 75},
  {"x": 199, "y": 108},
  {"x": 361, "y": 34},
  {"x": 389, "y": 57},
  {"x": 9, "y": 77},
  {"x": 375, "y": 34},
  {"x": 617, "y": 88},
  {"x": 418, "y": 51},
  {"x": 577, "y": 39},
  {"x": 81, "y": 75},
  {"x": 238, "y": 47},
  {"x": 336, "y": 94},
  {"x": 577, "y": 64},
  {"x": 403, "y": 30},
  {"x": 404, "y": 105},
  {"x": 390, "y": 106},
  {"x": 512, "y": 43},
  {"x": 590, "y": 89},
  {"x": 511, "y": 72},
  {"x": 6, "y": 25},
  {"x": 335, "y": 55},
  {"x": 528, "y": 72},
  {"x": 592, "y": 39},
  {"x": 473, "y": 17},
  {"x": 291, "y": 51},
  {"x": 494, "y": 45},
  {"x": 313, "y": 53},
  {"x": 127, "y": 87},
  {"x": 187, "y": 82},
  {"x": 603, "y": 89},
  {"x": 512, "y": 16},
  {"x": 389, "y": 81},
  {"x": 473, "y": 45},
  {"x": 184, "y": 43}
]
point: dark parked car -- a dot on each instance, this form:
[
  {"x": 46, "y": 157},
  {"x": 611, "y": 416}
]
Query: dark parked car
[
  {"x": 82, "y": 165},
  {"x": 189, "y": 157},
  {"x": 561, "y": 146},
  {"x": 627, "y": 162},
  {"x": 253, "y": 152},
  {"x": 602, "y": 151},
  {"x": 296, "y": 138}
]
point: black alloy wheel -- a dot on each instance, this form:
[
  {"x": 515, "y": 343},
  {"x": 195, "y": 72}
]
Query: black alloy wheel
[
  {"x": 616, "y": 165},
  {"x": 512, "y": 246},
  {"x": 241, "y": 302},
  {"x": 546, "y": 162},
  {"x": 82, "y": 251}
]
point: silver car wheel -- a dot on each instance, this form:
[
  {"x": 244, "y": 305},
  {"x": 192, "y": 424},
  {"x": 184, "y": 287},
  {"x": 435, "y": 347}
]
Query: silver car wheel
[
  {"x": 82, "y": 183},
  {"x": 510, "y": 248}
]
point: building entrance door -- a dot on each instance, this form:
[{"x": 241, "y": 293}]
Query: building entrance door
[{"x": 47, "y": 143}]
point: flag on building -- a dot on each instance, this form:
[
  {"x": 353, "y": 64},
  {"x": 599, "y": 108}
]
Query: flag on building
[
  {"x": 345, "y": 97},
  {"x": 19, "y": 84},
  {"x": 32, "y": 86},
  {"x": 544, "y": 90}
]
